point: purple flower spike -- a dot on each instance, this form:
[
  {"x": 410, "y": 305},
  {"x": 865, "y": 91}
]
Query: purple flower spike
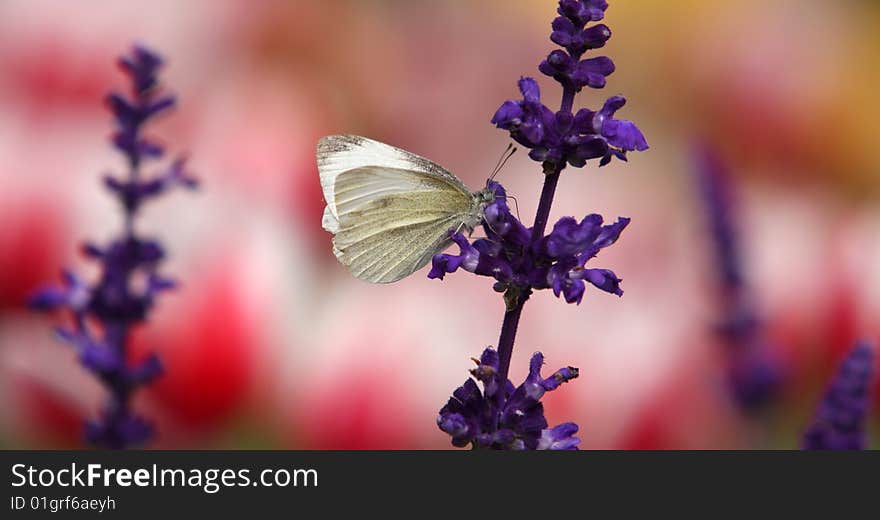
[
  {"x": 522, "y": 260},
  {"x": 502, "y": 417},
  {"x": 839, "y": 423},
  {"x": 105, "y": 311},
  {"x": 754, "y": 375}
]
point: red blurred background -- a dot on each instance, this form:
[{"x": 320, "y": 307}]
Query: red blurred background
[{"x": 270, "y": 343}]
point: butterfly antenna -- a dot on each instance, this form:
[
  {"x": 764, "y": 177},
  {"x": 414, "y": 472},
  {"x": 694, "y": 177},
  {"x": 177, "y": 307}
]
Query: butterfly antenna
[
  {"x": 500, "y": 159},
  {"x": 508, "y": 153}
]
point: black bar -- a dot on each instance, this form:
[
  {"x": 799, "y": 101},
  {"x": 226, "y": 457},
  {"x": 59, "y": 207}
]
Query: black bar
[{"x": 447, "y": 483}]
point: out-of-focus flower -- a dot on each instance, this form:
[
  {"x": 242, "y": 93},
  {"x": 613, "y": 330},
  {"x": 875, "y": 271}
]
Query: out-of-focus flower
[
  {"x": 685, "y": 410},
  {"x": 103, "y": 314},
  {"x": 206, "y": 339},
  {"x": 52, "y": 73},
  {"x": 352, "y": 411},
  {"x": 503, "y": 417},
  {"x": 839, "y": 423},
  {"x": 556, "y": 262},
  {"x": 45, "y": 415},
  {"x": 754, "y": 375}
]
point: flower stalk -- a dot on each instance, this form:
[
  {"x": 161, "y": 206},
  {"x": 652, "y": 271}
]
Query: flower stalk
[
  {"x": 102, "y": 314},
  {"x": 522, "y": 260}
]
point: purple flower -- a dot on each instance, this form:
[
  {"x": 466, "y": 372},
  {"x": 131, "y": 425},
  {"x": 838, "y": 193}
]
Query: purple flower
[
  {"x": 73, "y": 294},
  {"x": 118, "y": 427},
  {"x": 576, "y": 39},
  {"x": 754, "y": 375},
  {"x": 559, "y": 437},
  {"x": 503, "y": 417},
  {"x": 583, "y": 11},
  {"x": 559, "y": 138},
  {"x": 839, "y": 423},
  {"x": 714, "y": 182},
  {"x": 142, "y": 67},
  {"x": 133, "y": 192},
  {"x": 517, "y": 264},
  {"x": 591, "y": 72},
  {"x": 525, "y": 119},
  {"x": 123, "y": 295}
]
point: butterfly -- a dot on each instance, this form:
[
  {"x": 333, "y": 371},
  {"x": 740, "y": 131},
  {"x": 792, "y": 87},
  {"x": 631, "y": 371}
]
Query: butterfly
[{"x": 390, "y": 210}]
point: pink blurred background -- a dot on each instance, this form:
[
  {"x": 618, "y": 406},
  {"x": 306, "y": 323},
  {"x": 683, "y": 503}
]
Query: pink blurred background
[{"x": 270, "y": 343}]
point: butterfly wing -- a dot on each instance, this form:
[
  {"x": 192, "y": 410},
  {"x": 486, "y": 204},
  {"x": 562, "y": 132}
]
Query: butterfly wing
[
  {"x": 389, "y": 209},
  {"x": 337, "y": 154}
]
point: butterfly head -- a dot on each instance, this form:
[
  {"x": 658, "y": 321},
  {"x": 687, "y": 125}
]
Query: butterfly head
[
  {"x": 488, "y": 194},
  {"x": 481, "y": 199},
  {"x": 493, "y": 190}
]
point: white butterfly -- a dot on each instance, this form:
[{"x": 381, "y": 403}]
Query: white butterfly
[{"x": 390, "y": 210}]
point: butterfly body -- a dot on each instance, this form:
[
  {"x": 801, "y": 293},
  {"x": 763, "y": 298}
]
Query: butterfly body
[{"x": 390, "y": 211}]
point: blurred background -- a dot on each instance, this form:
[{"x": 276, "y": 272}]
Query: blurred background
[{"x": 270, "y": 343}]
